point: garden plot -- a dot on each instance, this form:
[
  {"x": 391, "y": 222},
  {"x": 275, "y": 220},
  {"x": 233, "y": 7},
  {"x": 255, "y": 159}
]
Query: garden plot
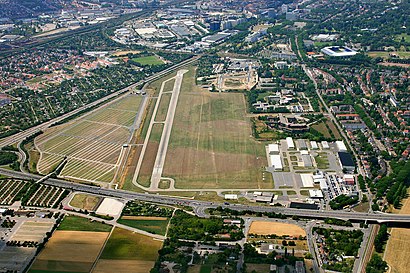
[{"x": 92, "y": 144}]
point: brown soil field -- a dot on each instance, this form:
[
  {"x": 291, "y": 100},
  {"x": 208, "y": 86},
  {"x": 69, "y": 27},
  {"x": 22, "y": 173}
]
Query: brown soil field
[
  {"x": 143, "y": 218},
  {"x": 126, "y": 266},
  {"x": 262, "y": 268},
  {"x": 73, "y": 251},
  {"x": 280, "y": 229}
]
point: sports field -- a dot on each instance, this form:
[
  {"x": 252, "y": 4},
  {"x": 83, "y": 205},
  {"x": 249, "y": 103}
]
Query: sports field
[
  {"x": 129, "y": 251},
  {"x": 211, "y": 144},
  {"x": 92, "y": 144},
  {"x": 148, "y": 60},
  {"x": 280, "y": 229}
]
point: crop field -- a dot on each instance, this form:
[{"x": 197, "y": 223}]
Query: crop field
[
  {"x": 136, "y": 252},
  {"x": 72, "y": 251},
  {"x": 92, "y": 143},
  {"x": 398, "y": 245},
  {"x": 85, "y": 201},
  {"x": 211, "y": 144},
  {"x": 280, "y": 229}
]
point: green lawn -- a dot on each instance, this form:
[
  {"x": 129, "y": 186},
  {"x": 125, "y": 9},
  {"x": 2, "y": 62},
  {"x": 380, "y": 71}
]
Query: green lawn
[
  {"x": 148, "y": 60},
  {"x": 322, "y": 162},
  {"x": 126, "y": 245},
  {"x": 151, "y": 226},
  {"x": 206, "y": 268},
  {"x": 76, "y": 223}
]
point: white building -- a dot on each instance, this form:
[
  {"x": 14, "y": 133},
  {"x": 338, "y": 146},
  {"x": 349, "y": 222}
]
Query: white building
[
  {"x": 290, "y": 143},
  {"x": 316, "y": 194},
  {"x": 313, "y": 145},
  {"x": 276, "y": 162},
  {"x": 231, "y": 197},
  {"x": 341, "y": 146},
  {"x": 325, "y": 145},
  {"x": 338, "y": 51},
  {"x": 273, "y": 149}
]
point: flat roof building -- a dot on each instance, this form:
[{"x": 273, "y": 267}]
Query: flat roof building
[
  {"x": 313, "y": 145},
  {"x": 231, "y": 197},
  {"x": 341, "y": 146},
  {"x": 273, "y": 148},
  {"x": 316, "y": 194},
  {"x": 276, "y": 162},
  {"x": 290, "y": 143},
  {"x": 346, "y": 161},
  {"x": 325, "y": 145},
  {"x": 302, "y": 144}
]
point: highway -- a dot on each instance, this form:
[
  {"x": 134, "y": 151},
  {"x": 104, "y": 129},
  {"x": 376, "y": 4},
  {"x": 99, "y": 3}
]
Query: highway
[
  {"x": 319, "y": 214},
  {"x": 30, "y": 131}
]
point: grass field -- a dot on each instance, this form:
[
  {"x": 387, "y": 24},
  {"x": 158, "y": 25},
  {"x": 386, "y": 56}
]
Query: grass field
[
  {"x": 92, "y": 143},
  {"x": 322, "y": 161},
  {"x": 398, "y": 246},
  {"x": 70, "y": 251},
  {"x": 85, "y": 201},
  {"x": 76, "y": 223},
  {"x": 211, "y": 144},
  {"x": 321, "y": 127},
  {"x": 155, "y": 226},
  {"x": 126, "y": 245},
  {"x": 280, "y": 229},
  {"x": 148, "y": 60}
]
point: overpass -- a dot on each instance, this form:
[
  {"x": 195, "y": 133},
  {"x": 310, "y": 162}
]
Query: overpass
[{"x": 202, "y": 205}]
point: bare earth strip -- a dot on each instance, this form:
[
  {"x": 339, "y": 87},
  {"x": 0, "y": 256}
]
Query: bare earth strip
[
  {"x": 143, "y": 218},
  {"x": 280, "y": 229}
]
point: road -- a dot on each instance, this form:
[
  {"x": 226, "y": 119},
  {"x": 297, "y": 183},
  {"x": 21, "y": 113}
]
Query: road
[
  {"x": 312, "y": 246},
  {"x": 30, "y": 131},
  {"x": 166, "y": 133},
  {"x": 373, "y": 217}
]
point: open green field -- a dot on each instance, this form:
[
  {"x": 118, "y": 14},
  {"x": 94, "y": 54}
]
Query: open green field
[
  {"x": 148, "y": 60},
  {"x": 76, "y": 223},
  {"x": 211, "y": 144},
  {"x": 126, "y": 245},
  {"x": 91, "y": 143},
  {"x": 322, "y": 161},
  {"x": 151, "y": 226}
]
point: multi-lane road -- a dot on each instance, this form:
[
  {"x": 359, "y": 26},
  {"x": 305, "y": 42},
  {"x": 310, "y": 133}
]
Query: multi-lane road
[{"x": 201, "y": 205}]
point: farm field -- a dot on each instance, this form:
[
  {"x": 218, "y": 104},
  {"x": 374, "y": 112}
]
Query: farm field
[
  {"x": 92, "y": 144},
  {"x": 155, "y": 225},
  {"x": 398, "y": 245},
  {"x": 280, "y": 229},
  {"x": 85, "y": 201},
  {"x": 136, "y": 252},
  {"x": 148, "y": 60},
  {"x": 211, "y": 144},
  {"x": 72, "y": 251}
]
